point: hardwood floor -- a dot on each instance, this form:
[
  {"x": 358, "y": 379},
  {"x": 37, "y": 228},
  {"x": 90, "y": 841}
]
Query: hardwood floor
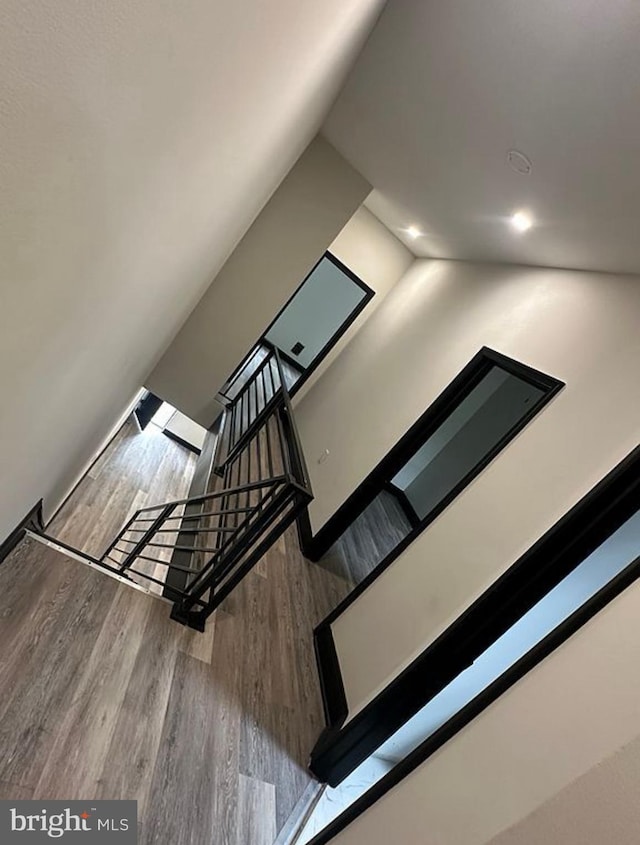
[
  {"x": 375, "y": 533},
  {"x": 103, "y": 696}
]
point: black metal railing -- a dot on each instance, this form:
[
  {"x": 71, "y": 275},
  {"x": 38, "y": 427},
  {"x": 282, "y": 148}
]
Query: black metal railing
[
  {"x": 253, "y": 404},
  {"x": 213, "y": 540},
  {"x": 245, "y": 371}
]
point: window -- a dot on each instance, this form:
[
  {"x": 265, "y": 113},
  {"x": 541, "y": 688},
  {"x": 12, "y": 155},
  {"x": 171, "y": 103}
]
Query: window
[
  {"x": 580, "y": 565},
  {"x": 484, "y": 408},
  {"x": 470, "y": 433}
]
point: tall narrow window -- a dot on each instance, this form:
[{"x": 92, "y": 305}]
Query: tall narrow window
[
  {"x": 494, "y": 407},
  {"x": 618, "y": 552},
  {"x": 587, "y": 559},
  {"x": 488, "y": 403}
]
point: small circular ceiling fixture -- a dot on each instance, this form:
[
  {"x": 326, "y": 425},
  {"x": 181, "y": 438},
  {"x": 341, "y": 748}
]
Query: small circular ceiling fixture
[{"x": 519, "y": 162}]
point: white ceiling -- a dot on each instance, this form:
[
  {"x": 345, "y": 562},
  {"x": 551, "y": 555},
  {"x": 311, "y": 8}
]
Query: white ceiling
[{"x": 444, "y": 88}]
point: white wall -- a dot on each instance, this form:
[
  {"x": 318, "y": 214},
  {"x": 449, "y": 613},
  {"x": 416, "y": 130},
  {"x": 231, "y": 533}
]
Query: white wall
[
  {"x": 601, "y": 806},
  {"x": 377, "y": 257},
  {"x": 314, "y": 201},
  {"x": 579, "y": 327},
  {"x": 569, "y": 713},
  {"x": 139, "y": 141}
]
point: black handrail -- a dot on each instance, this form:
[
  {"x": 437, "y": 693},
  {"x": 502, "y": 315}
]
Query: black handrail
[
  {"x": 294, "y": 442},
  {"x": 238, "y": 434},
  {"x": 207, "y": 496},
  {"x": 265, "y": 484},
  {"x": 235, "y": 375}
]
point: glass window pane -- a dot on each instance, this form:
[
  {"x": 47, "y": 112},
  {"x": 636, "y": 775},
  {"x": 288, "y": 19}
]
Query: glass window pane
[
  {"x": 465, "y": 438},
  {"x": 322, "y": 304},
  {"x": 614, "y": 555},
  {"x": 608, "y": 560}
]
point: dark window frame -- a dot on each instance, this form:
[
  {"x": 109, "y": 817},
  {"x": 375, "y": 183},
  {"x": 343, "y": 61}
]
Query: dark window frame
[
  {"x": 337, "y": 749},
  {"x": 314, "y": 547},
  {"x": 558, "y": 552},
  {"x": 369, "y": 293}
]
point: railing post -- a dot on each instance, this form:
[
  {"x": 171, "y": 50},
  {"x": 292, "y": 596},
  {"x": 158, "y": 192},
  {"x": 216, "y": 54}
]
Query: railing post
[
  {"x": 116, "y": 539},
  {"x": 272, "y": 499},
  {"x": 166, "y": 511}
]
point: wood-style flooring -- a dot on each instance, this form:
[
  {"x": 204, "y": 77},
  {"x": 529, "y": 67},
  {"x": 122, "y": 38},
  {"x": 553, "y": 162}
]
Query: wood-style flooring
[
  {"x": 370, "y": 538},
  {"x": 103, "y": 696}
]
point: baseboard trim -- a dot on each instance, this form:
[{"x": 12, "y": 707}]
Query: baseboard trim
[
  {"x": 305, "y": 536},
  {"x": 292, "y": 828},
  {"x": 403, "y": 500},
  {"x": 334, "y": 699},
  {"x": 182, "y": 442},
  {"x": 32, "y": 520}
]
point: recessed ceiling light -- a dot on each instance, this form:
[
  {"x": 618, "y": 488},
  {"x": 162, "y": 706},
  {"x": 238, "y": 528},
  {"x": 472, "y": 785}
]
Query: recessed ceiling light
[
  {"x": 413, "y": 232},
  {"x": 521, "y": 221}
]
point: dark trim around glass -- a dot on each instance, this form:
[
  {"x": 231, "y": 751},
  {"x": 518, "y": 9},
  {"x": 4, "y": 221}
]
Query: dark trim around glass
[
  {"x": 369, "y": 293},
  {"x": 315, "y": 546},
  {"x": 563, "y": 548}
]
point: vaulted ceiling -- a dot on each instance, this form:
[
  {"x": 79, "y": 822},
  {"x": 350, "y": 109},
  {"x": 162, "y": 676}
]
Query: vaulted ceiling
[{"x": 444, "y": 90}]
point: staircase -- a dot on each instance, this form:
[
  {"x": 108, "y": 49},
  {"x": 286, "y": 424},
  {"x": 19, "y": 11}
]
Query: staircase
[{"x": 210, "y": 542}]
